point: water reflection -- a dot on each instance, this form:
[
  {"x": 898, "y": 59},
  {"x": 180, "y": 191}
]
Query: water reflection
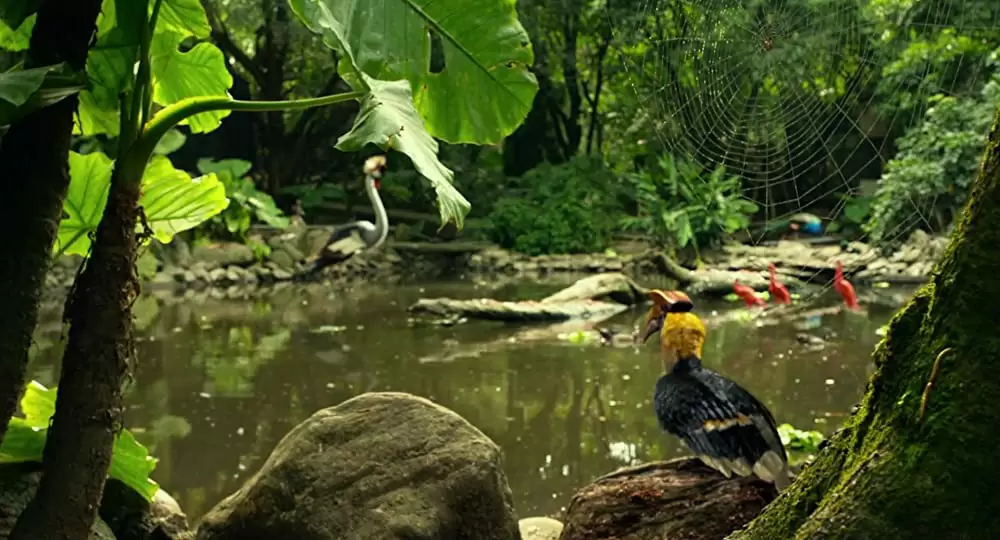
[{"x": 221, "y": 381}]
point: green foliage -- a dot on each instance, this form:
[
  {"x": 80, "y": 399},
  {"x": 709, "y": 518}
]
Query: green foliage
[
  {"x": 568, "y": 208},
  {"x": 483, "y": 94},
  {"x": 485, "y": 90},
  {"x": 250, "y": 203},
  {"x": 25, "y": 441},
  {"x": 171, "y": 199},
  {"x": 681, "y": 205},
  {"x": 799, "y": 440},
  {"x": 312, "y": 197},
  {"x": 930, "y": 177},
  {"x": 25, "y": 90}
]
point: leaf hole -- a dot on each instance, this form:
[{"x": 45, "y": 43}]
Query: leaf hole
[{"x": 437, "y": 63}]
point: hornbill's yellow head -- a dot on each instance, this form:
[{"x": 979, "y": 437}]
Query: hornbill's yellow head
[{"x": 682, "y": 334}]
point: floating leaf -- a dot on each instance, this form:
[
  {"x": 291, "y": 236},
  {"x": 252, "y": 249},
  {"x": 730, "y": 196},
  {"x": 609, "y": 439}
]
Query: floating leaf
[
  {"x": 388, "y": 119},
  {"x": 25, "y": 441}
]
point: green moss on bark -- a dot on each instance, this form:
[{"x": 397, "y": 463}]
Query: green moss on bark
[{"x": 890, "y": 473}]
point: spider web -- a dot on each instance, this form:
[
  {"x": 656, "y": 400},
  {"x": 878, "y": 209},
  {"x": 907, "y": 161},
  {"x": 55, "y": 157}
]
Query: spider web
[{"x": 777, "y": 91}]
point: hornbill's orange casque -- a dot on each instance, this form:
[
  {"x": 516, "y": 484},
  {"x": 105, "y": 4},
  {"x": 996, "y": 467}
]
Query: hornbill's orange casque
[{"x": 726, "y": 426}]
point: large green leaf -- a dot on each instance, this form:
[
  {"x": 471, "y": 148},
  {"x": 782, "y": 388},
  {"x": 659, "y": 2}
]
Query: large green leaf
[
  {"x": 16, "y": 38},
  {"x": 185, "y": 17},
  {"x": 90, "y": 178},
  {"x": 25, "y": 90},
  {"x": 14, "y": 12},
  {"x": 25, "y": 441},
  {"x": 171, "y": 199},
  {"x": 177, "y": 75},
  {"x": 110, "y": 66},
  {"x": 485, "y": 89},
  {"x": 175, "y": 202},
  {"x": 388, "y": 119}
]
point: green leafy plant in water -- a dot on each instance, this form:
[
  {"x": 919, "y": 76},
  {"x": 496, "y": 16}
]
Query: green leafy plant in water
[
  {"x": 567, "y": 208},
  {"x": 250, "y": 203},
  {"x": 25, "y": 441},
  {"x": 680, "y": 204},
  {"x": 799, "y": 440}
]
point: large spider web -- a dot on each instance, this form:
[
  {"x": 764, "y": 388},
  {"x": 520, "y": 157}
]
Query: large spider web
[{"x": 777, "y": 91}]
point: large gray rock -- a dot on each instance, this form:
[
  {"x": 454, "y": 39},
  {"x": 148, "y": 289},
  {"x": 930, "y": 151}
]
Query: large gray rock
[
  {"x": 18, "y": 483},
  {"x": 131, "y": 517},
  {"x": 223, "y": 254},
  {"x": 378, "y": 466}
]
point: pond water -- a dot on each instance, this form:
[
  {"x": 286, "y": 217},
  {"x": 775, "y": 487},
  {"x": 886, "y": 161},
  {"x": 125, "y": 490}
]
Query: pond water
[{"x": 221, "y": 381}]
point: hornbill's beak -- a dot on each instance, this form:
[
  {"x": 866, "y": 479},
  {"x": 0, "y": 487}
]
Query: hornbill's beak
[{"x": 663, "y": 302}]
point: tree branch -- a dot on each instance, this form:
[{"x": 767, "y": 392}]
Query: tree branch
[{"x": 220, "y": 34}]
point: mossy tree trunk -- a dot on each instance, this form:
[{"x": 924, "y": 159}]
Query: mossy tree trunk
[
  {"x": 918, "y": 459},
  {"x": 94, "y": 366},
  {"x": 34, "y": 176}
]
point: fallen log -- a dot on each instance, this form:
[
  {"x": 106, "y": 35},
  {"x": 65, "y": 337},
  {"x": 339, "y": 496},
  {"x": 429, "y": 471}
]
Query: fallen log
[
  {"x": 586, "y": 300},
  {"x": 714, "y": 281},
  {"x": 681, "y": 498}
]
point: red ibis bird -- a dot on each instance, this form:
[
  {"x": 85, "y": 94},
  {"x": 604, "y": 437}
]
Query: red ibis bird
[
  {"x": 844, "y": 288},
  {"x": 750, "y": 298},
  {"x": 779, "y": 293}
]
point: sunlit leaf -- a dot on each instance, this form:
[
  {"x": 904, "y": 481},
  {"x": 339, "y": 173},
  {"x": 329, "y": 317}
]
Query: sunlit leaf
[
  {"x": 171, "y": 142},
  {"x": 14, "y": 12},
  {"x": 485, "y": 89},
  {"x": 16, "y": 39},
  {"x": 110, "y": 66},
  {"x": 175, "y": 202},
  {"x": 388, "y": 119},
  {"x": 90, "y": 178},
  {"x": 25, "y": 441},
  {"x": 171, "y": 199},
  {"x": 183, "y": 16},
  {"x": 177, "y": 75}
]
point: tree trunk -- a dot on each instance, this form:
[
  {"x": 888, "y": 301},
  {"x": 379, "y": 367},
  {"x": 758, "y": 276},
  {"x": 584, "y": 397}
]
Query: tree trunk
[
  {"x": 95, "y": 364},
  {"x": 34, "y": 176},
  {"x": 917, "y": 458}
]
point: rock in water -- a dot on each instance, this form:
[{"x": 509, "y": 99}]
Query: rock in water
[
  {"x": 681, "y": 498},
  {"x": 18, "y": 483},
  {"x": 378, "y": 466},
  {"x": 131, "y": 517},
  {"x": 540, "y": 528}
]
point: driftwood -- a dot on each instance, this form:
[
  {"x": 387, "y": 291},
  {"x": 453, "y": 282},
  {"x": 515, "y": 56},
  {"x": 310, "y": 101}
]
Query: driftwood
[
  {"x": 681, "y": 499},
  {"x": 584, "y": 300},
  {"x": 714, "y": 281}
]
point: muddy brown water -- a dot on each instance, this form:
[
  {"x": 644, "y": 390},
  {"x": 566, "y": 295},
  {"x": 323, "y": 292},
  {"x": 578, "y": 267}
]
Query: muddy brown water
[{"x": 221, "y": 381}]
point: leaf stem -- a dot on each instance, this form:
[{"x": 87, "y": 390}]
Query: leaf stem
[
  {"x": 134, "y": 162},
  {"x": 145, "y": 70}
]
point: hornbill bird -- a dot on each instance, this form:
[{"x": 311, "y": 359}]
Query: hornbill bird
[
  {"x": 352, "y": 238},
  {"x": 726, "y": 426}
]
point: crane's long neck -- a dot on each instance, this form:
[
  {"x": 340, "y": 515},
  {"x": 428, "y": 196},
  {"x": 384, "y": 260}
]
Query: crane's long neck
[{"x": 381, "y": 218}]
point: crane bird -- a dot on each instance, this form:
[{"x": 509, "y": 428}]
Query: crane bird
[{"x": 351, "y": 238}]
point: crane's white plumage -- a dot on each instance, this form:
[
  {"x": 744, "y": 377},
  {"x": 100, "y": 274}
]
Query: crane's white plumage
[{"x": 351, "y": 238}]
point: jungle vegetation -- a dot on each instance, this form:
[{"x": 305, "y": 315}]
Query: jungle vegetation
[{"x": 106, "y": 106}]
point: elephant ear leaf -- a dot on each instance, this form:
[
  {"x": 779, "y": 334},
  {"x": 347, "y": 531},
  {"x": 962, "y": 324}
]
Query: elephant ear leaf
[{"x": 388, "y": 119}]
